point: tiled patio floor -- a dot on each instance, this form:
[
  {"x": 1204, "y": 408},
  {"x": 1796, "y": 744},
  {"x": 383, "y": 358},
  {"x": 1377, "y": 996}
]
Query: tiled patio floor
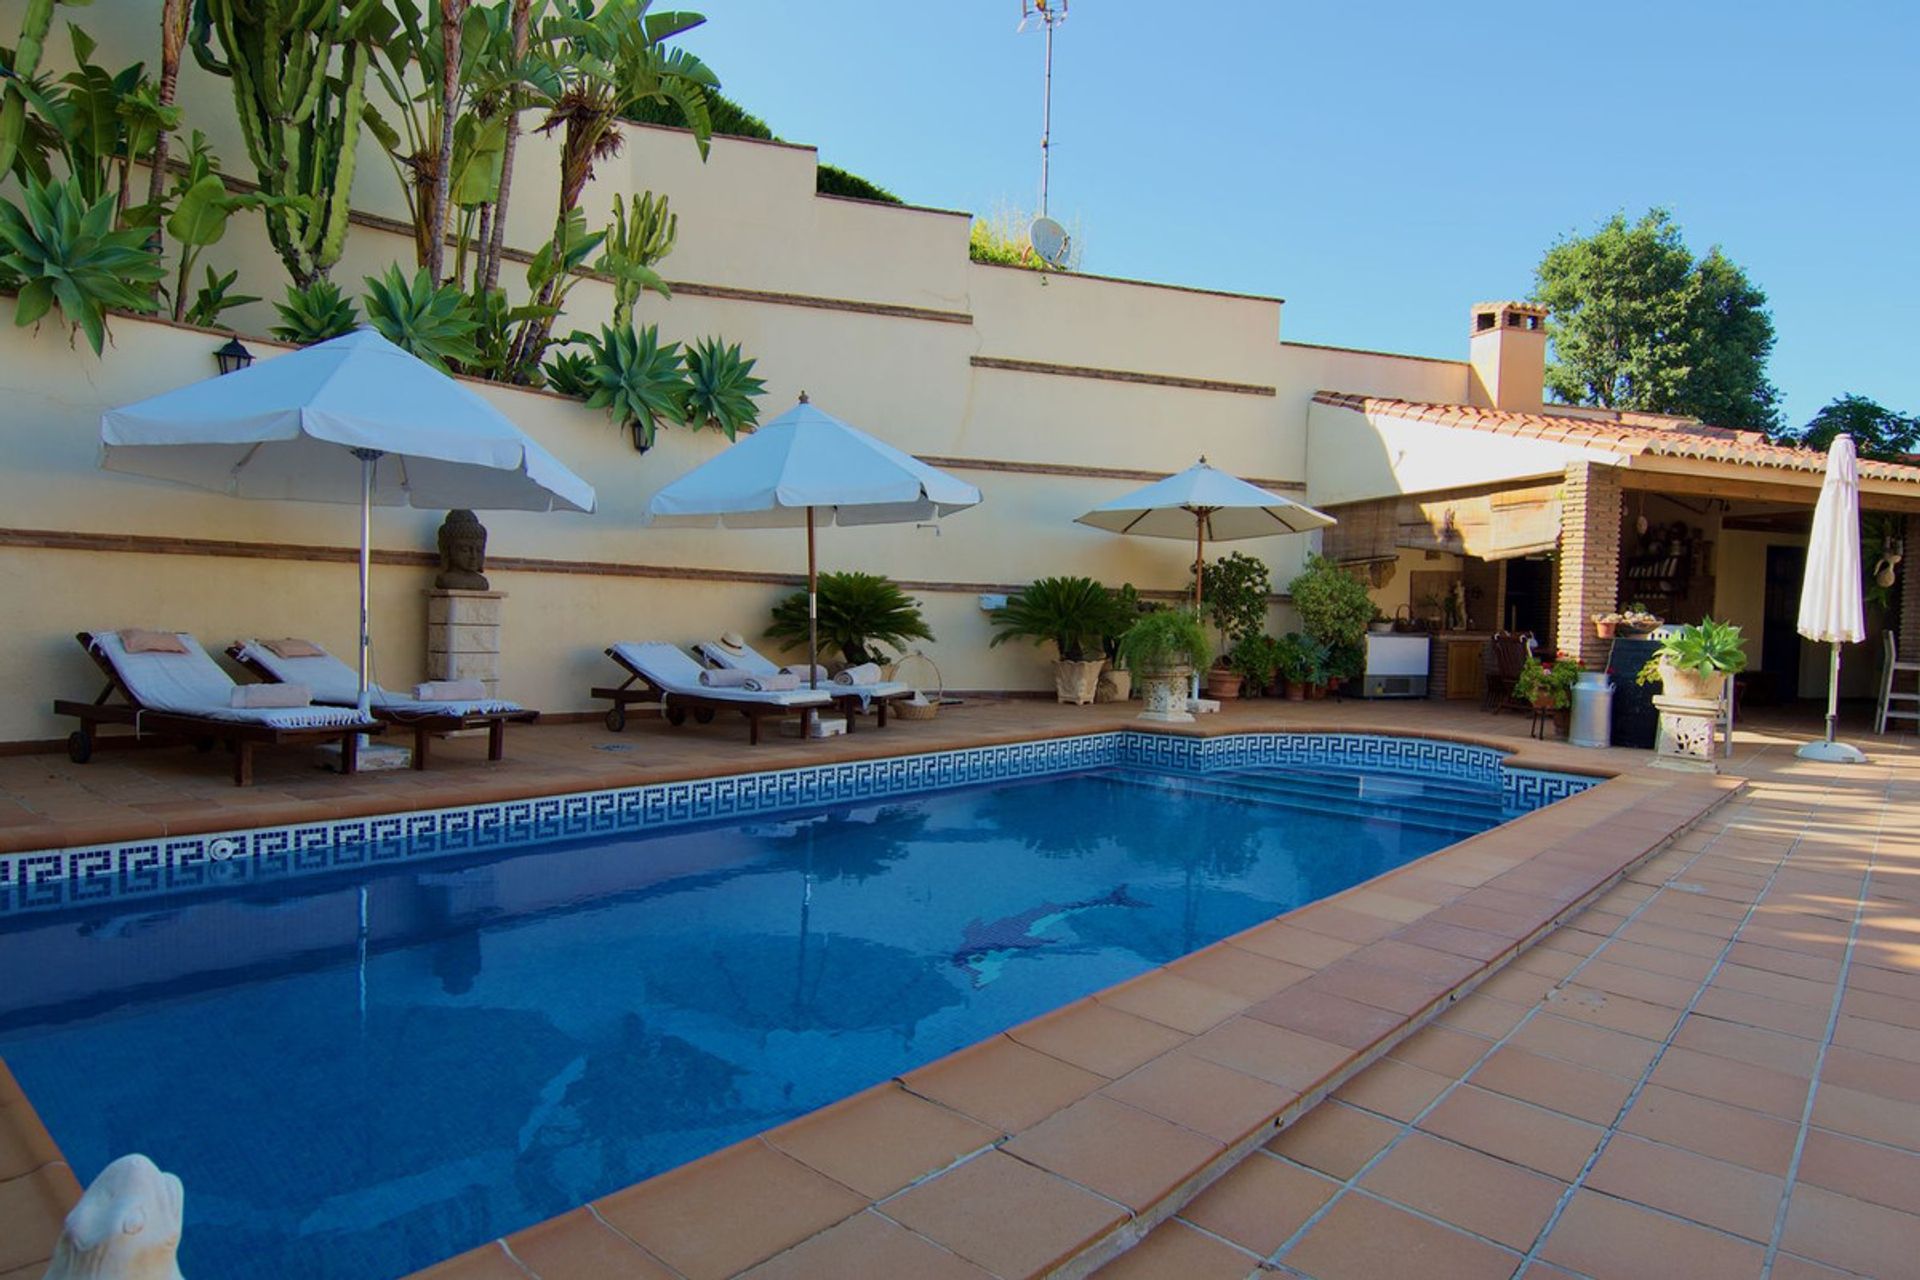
[
  {"x": 1624, "y": 1091},
  {"x": 1714, "y": 1071}
]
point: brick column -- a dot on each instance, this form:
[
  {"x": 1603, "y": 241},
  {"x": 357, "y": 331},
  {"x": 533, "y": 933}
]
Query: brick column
[
  {"x": 1909, "y": 571},
  {"x": 1589, "y": 558}
]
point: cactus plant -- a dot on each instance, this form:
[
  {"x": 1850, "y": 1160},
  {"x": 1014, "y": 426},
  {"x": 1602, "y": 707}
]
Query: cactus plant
[
  {"x": 299, "y": 70},
  {"x": 641, "y": 234}
]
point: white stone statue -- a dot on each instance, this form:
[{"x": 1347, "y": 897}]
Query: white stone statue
[{"x": 126, "y": 1226}]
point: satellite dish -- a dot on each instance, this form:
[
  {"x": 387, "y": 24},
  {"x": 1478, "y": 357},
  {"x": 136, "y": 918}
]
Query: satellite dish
[{"x": 1050, "y": 240}]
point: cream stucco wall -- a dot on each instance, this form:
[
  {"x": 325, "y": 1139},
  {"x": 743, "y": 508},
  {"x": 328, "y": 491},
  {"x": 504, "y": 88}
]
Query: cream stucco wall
[{"x": 874, "y": 310}]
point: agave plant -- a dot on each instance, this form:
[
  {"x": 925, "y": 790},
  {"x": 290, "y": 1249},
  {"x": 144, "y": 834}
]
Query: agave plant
[
  {"x": 64, "y": 252},
  {"x": 431, "y": 322},
  {"x": 494, "y": 318},
  {"x": 314, "y": 314},
  {"x": 859, "y": 612},
  {"x": 1072, "y": 613},
  {"x": 637, "y": 380},
  {"x": 721, "y": 388},
  {"x": 570, "y": 373}
]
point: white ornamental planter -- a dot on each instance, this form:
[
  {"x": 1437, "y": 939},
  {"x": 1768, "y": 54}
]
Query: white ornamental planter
[
  {"x": 1677, "y": 683},
  {"x": 1115, "y": 686},
  {"x": 1075, "y": 682},
  {"x": 1165, "y": 693}
]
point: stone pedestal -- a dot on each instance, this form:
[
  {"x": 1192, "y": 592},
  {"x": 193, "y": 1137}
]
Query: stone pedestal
[
  {"x": 463, "y": 636},
  {"x": 1687, "y": 733}
]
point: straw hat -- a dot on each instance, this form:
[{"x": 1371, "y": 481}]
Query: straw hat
[{"x": 731, "y": 642}]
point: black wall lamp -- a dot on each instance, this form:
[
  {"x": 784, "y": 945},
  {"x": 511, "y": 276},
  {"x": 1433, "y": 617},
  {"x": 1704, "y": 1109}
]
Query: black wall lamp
[{"x": 233, "y": 357}]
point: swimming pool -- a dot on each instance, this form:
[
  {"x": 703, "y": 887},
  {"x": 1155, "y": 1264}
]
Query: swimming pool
[{"x": 360, "y": 1072}]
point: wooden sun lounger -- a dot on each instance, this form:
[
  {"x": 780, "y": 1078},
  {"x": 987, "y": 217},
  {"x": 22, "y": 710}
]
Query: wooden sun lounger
[
  {"x": 851, "y": 704},
  {"x": 202, "y": 731},
  {"x": 637, "y": 688},
  {"x": 423, "y": 726}
]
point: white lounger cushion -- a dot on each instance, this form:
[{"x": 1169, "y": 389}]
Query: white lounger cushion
[
  {"x": 675, "y": 671},
  {"x": 752, "y": 661},
  {"x": 192, "y": 684},
  {"x": 334, "y": 682}
]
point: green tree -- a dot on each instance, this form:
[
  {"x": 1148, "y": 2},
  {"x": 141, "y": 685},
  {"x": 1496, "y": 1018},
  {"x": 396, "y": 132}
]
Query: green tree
[
  {"x": 1638, "y": 323},
  {"x": 1877, "y": 431}
]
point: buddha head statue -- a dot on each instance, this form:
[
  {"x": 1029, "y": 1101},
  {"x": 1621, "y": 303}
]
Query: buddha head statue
[{"x": 463, "y": 553}]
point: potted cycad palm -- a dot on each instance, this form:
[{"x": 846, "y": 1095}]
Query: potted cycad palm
[
  {"x": 1162, "y": 649},
  {"x": 1071, "y": 614}
]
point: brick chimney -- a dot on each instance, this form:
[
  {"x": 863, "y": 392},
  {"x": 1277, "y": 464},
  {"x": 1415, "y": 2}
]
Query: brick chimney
[{"x": 1508, "y": 356}]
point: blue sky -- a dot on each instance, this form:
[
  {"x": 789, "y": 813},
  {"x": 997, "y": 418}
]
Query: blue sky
[{"x": 1383, "y": 165}]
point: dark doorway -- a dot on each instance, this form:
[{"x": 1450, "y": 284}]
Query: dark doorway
[
  {"x": 1529, "y": 597},
  {"x": 1779, "y": 640}
]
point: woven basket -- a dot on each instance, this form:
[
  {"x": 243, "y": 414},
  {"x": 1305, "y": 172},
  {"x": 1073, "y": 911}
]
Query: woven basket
[{"x": 908, "y": 710}]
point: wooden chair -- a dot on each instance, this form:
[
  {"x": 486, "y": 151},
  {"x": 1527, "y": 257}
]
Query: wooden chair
[
  {"x": 1895, "y": 703},
  {"x": 1509, "y": 652}
]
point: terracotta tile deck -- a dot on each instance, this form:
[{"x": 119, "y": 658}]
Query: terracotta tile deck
[{"x": 1631, "y": 1097}]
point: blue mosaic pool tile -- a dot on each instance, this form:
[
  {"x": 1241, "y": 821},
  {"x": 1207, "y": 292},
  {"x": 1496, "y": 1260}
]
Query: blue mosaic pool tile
[{"x": 54, "y": 879}]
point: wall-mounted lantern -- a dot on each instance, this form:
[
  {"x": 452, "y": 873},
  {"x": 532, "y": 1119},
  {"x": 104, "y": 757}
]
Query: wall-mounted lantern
[{"x": 233, "y": 357}]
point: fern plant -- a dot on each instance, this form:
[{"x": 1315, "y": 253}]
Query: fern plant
[
  {"x": 637, "y": 380},
  {"x": 314, "y": 314},
  {"x": 434, "y": 323},
  {"x": 859, "y": 612},
  {"x": 1074, "y": 614},
  {"x": 721, "y": 388},
  {"x": 65, "y": 253}
]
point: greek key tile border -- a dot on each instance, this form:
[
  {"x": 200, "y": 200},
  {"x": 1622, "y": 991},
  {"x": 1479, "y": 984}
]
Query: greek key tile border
[{"x": 56, "y": 879}]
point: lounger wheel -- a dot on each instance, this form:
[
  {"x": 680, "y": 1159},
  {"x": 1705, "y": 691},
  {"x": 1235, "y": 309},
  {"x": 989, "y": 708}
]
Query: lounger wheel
[
  {"x": 617, "y": 718},
  {"x": 677, "y": 716},
  {"x": 79, "y": 746},
  {"x": 704, "y": 715}
]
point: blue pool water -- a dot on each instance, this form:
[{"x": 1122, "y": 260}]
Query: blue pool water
[{"x": 359, "y": 1075}]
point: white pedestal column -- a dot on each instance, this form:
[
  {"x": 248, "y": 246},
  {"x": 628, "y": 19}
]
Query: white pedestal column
[{"x": 463, "y": 636}]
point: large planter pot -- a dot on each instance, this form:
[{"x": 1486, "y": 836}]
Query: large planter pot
[
  {"x": 1114, "y": 686},
  {"x": 1222, "y": 683},
  {"x": 1165, "y": 693},
  {"x": 1316, "y": 692},
  {"x": 1075, "y": 682},
  {"x": 1296, "y": 691},
  {"x": 1676, "y": 683}
]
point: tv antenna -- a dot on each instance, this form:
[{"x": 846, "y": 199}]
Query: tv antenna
[{"x": 1047, "y": 14}]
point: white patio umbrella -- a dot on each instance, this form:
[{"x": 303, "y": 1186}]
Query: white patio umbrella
[
  {"x": 807, "y": 467},
  {"x": 352, "y": 420},
  {"x": 1830, "y": 594},
  {"x": 1204, "y": 503}
]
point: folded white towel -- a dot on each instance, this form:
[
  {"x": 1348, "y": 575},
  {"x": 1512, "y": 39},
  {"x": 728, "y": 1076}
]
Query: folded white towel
[
  {"x": 808, "y": 674},
  {"x": 716, "y": 678},
  {"x": 270, "y": 695},
  {"x": 771, "y": 684},
  {"x": 865, "y": 673},
  {"x": 450, "y": 691}
]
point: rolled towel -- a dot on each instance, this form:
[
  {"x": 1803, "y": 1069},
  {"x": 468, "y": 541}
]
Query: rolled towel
[
  {"x": 865, "y": 673},
  {"x": 720, "y": 678},
  {"x": 450, "y": 691},
  {"x": 290, "y": 647},
  {"x": 778, "y": 683},
  {"x": 807, "y": 674},
  {"x": 245, "y": 696}
]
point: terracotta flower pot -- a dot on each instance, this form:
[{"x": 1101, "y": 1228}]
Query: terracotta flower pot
[
  {"x": 1605, "y": 630},
  {"x": 1296, "y": 691},
  {"x": 1222, "y": 683}
]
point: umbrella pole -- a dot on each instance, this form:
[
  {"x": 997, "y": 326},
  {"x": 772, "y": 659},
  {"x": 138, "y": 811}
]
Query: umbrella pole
[
  {"x": 813, "y": 609},
  {"x": 368, "y": 457},
  {"x": 1199, "y": 555},
  {"x": 1827, "y": 749},
  {"x": 1833, "y": 691}
]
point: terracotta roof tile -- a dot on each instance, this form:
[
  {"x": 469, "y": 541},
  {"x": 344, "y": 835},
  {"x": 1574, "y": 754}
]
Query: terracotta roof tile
[{"x": 1644, "y": 434}]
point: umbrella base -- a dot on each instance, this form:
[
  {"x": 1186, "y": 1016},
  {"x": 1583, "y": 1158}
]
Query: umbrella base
[
  {"x": 372, "y": 756},
  {"x": 1832, "y": 753}
]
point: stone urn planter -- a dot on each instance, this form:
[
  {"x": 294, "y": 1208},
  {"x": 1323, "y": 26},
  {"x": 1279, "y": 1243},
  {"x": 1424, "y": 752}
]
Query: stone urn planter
[
  {"x": 1075, "y": 682},
  {"x": 1115, "y": 685},
  {"x": 1165, "y": 695},
  {"x": 1680, "y": 682}
]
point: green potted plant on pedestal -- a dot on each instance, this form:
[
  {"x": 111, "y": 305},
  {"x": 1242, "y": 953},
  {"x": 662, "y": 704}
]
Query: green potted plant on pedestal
[
  {"x": 1694, "y": 661},
  {"x": 1549, "y": 687},
  {"x": 1162, "y": 650}
]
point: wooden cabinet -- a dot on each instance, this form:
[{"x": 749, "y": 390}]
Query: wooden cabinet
[{"x": 1466, "y": 672}]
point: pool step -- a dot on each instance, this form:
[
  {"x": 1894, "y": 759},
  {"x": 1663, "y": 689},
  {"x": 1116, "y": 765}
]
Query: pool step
[
  {"x": 1306, "y": 800},
  {"x": 1376, "y": 789}
]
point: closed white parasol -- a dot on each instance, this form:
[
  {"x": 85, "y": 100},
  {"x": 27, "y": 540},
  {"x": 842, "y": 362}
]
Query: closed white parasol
[{"x": 1830, "y": 609}]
